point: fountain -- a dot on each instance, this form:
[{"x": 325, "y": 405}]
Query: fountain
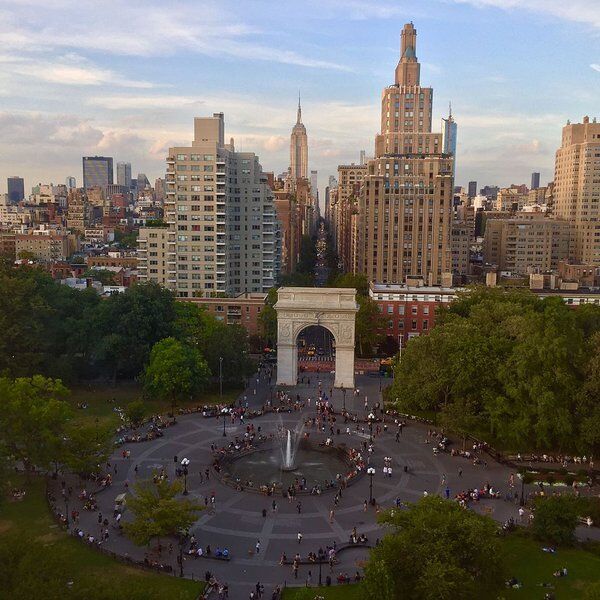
[{"x": 289, "y": 448}]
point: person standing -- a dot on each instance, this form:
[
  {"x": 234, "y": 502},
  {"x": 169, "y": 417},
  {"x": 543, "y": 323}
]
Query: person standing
[{"x": 299, "y": 537}]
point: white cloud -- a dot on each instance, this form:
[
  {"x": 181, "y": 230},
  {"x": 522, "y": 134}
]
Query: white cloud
[
  {"x": 165, "y": 29},
  {"x": 595, "y": 66},
  {"x": 579, "y": 11}
]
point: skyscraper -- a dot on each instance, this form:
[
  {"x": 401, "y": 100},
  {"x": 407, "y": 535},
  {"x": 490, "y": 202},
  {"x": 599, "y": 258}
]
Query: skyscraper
[
  {"x": 299, "y": 148},
  {"x": 472, "y": 189},
  {"x": 16, "y": 189},
  {"x": 577, "y": 188},
  {"x": 535, "y": 181},
  {"x": 222, "y": 234},
  {"x": 450, "y": 133},
  {"x": 124, "y": 174},
  {"x": 70, "y": 182},
  {"x": 97, "y": 171},
  {"x": 314, "y": 184},
  {"x": 405, "y": 205}
]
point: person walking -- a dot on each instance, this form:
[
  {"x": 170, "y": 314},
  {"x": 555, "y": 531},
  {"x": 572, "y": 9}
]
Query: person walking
[
  {"x": 299, "y": 537},
  {"x": 257, "y": 546}
]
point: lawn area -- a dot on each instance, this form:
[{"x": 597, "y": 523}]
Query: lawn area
[
  {"x": 100, "y": 405},
  {"x": 531, "y": 566},
  {"x": 335, "y": 592},
  {"x": 39, "y": 559}
]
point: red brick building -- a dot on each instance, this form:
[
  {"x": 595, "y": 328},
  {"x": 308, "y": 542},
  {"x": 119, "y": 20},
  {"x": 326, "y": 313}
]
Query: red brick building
[{"x": 409, "y": 310}]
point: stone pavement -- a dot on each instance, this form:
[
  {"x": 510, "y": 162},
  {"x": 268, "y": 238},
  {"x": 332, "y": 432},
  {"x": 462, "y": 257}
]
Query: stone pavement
[{"x": 237, "y": 522}]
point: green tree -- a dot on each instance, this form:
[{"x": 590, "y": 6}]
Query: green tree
[
  {"x": 158, "y": 511},
  {"x": 86, "y": 448},
  {"x": 555, "y": 519},
  {"x": 370, "y": 325},
  {"x": 128, "y": 325},
  {"x": 33, "y": 418},
  {"x": 435, "y": 551},
  {"x": 175, "y": 371},
  {"x": 350, "y": 280},
  {"x": 104, "y": 276},
  {"x": 307, "y": 260},
  {"x": 268, "y": 319},
  {"x": 135, "y": 412}
]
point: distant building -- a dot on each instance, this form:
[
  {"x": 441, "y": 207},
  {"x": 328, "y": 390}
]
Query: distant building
[
  {"x": 299, "y": 148},
  {"x": 46, "y": 243},
  {"x": 530, "y": 243},
  {"x": 16, "y": 189},
  {"x": 535, "y": 181},
  {"x": 97, "y": 171},
  {"x": 472, "y": 189},
  {"x": 577, "y": 188},
  {"x": 70, "y": 182},
  {"x": 450, "y": 134},
  {"x": 124, "y": 174}
]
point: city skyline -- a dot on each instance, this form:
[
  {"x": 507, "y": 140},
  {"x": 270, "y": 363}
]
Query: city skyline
[{"x": 128, "y": 101}]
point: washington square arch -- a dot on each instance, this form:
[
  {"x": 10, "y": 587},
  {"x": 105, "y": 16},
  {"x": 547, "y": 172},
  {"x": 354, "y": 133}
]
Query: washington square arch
[{"x": 332, "y": 308}]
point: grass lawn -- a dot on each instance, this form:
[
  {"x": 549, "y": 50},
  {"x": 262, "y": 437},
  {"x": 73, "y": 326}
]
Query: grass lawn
[
  {"x": 335, "y": 592},
  {"x": 58, "y": 559},
  {"x": 98, "y": 399},
  {"x": 531, "y": 566}
]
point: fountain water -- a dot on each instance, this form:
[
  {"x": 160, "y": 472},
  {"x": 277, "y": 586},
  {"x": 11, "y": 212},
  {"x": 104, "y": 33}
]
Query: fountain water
[{"x": 289, "y": 447}]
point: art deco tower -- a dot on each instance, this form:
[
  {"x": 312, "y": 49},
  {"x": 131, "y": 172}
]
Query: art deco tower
[
  {"x": 405, "y": 205},
  {"x": 299, "y": 148}
]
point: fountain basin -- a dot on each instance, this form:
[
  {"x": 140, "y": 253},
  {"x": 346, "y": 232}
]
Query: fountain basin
[{"x": 318, "y": 465}]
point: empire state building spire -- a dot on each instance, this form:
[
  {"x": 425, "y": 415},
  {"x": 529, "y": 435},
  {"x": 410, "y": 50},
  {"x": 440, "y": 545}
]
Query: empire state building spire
[{"x": 299, "y": 148}]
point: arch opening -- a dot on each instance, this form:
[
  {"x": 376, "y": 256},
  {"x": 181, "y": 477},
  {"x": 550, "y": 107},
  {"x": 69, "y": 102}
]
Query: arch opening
[{"x": 315, "y": 347}]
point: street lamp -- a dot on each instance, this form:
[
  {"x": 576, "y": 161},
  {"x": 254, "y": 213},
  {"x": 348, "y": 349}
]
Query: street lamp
[
  {"x": 370, "y": 473},
  {"x": 67, "y": 511},
  {"x": 522, "y": 478},
  {"x": 344, "y": 392},
  {"x": 184, "y": 463},
  {"x": 224, "y": 413},
  {"x": 220, "y": 375},
  {"x": 182, "y": 537},
  {"x": 371, "y": 418},
  {"x": 321, "y": 556}
]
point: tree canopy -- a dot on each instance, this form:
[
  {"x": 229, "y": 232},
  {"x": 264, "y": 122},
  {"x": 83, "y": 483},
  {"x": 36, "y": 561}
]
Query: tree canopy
[
  {"x": 175, "y": 371},
  {"x": 158, "y": 511},
  {"x": 436, "y": 550},
  {"x": 508, "y": 365}
]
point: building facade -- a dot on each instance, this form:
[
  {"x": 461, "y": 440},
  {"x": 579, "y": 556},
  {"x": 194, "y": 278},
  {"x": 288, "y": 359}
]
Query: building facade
[
  {"x": 530, "y": 243},
  {"x": 405, "y": 206},
  {"x": 222, "y": 235},
  {"x": 124, "y": 174},
  {"x": 16, "y": 189},
  {"x": 576, "y": 193},
  {"x": 97, "y": 171}
]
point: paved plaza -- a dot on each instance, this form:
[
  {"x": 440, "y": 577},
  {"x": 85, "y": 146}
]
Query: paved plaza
[{"x": 236, "y": 520}]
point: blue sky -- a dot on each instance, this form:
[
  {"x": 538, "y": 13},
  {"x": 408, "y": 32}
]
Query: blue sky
[{"x": 125, "y": 79}]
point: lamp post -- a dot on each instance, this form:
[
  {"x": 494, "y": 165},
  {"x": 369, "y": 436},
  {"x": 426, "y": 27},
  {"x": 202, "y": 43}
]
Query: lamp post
[
  {"x": 67, "y": 511},
  {"x": 224, "y": 413},
  {"x": 522, "y": 477},
  {"x": 371, "y": 418},
  {"x": 344, "y": 393},
  {"x": 370, "y": 473},
  {"x": 184, "y": 463},
  {"x": 220, "y": 375},
  {"x": 182, "y": 537},
  {"x": 321, "y": 555}
]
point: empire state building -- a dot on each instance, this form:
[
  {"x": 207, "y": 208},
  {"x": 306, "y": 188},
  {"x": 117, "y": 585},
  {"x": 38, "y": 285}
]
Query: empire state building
[{"x": 299, "y": 149}]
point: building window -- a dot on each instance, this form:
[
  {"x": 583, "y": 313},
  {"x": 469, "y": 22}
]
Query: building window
[{"x": 414, "y": 325}]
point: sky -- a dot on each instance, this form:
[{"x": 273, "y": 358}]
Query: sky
[{"x": 125, "y": 78}]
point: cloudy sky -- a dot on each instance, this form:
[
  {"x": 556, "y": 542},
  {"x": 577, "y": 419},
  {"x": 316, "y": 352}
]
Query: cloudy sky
[{"x": 125, "y": 78}]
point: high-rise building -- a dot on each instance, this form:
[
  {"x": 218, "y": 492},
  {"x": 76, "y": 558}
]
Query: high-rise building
[
  {"x": 314, "y": 184},
  {"x": 472, "y": 189},
  {"x": 299, "y": 148},
  {"x": 124, "y": 174},
  {"x": 405, "y": 207},
  {"x": 535, "y": 181},
  {"x": 450, "y": 134},
  {"x": 16, "y": 189},
  {"x": 70, "y": 182},
  {"x": 223, "y": 235},
  {"x": 577, "y": 188},
  {"x": 97, "y": 171},
  {"x": 142, "y": 182}
]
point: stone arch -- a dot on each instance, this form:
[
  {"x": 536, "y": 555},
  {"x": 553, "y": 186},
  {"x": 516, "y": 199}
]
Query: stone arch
[{"x": 332, "y": 308}]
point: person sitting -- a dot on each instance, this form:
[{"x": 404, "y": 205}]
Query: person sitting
[
  {"x": 561, "y": 572},
  {"x": 218, "y": 552},
  {"x": 225, "y": 553}
]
